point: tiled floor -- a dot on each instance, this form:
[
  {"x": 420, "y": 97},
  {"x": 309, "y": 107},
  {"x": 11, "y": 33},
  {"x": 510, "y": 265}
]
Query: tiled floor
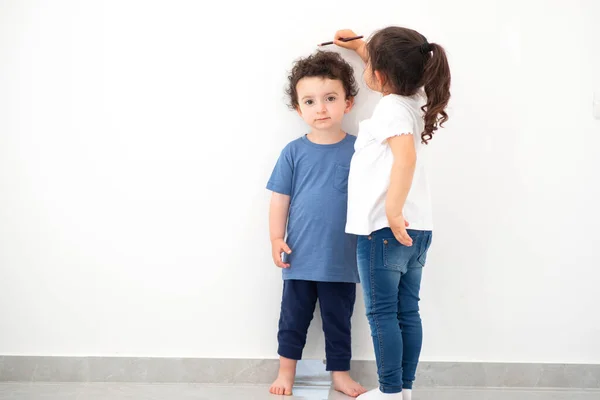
[{"x": 120, "y": 391}]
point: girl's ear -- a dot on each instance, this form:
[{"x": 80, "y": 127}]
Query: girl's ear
[{"x": 380, "y": 78}]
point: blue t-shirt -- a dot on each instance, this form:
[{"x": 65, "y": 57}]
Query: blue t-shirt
[{"x": 315, "y": 176}]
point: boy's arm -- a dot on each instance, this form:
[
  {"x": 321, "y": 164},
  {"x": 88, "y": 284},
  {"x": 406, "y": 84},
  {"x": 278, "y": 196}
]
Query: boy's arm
[
  {"x": 401, "y": 177},
  {"x": 278, "y": 215}
]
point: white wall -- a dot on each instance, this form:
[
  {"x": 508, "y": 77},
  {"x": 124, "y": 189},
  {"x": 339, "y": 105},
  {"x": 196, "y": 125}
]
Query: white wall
[{"x": 136, "y": 139}]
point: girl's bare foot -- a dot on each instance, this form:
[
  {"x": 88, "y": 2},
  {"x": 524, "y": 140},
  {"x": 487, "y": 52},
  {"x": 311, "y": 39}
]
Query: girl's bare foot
[
  {"x": 285, "y": 380},
  {"x": 342, "y": 382}
]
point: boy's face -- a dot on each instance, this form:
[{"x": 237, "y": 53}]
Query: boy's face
[{"x": 322, "y": 102}]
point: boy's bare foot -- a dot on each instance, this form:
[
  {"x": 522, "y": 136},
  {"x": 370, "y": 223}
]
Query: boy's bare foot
[
  {"x": 342, "y": 382},
  {"x": 285, "y": 380},
  {"x": 282, "y": 385}
]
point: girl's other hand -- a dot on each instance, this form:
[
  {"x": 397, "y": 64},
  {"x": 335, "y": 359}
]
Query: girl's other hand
[{"x": 398, "y": 226}]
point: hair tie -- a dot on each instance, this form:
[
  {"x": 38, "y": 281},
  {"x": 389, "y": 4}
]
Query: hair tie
[{"x": 425, "y": 47}]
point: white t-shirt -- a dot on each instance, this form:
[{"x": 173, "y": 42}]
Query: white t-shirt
[{"x": 371, "y": 167}]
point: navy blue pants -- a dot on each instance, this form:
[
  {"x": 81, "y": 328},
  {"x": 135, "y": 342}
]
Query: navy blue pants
[{"x": 297, "y": 308}]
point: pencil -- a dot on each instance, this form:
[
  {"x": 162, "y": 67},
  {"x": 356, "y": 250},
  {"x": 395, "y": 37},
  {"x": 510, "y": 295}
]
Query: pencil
[{"x": 343, "y": 40}]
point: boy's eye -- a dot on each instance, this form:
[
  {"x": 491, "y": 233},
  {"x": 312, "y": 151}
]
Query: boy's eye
[
  {"x": 331, "y": 98},
  {"x": 308, "y": 102}
]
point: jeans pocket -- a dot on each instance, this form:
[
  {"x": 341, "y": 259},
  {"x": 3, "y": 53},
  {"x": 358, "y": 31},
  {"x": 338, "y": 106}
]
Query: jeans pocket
[
  {"x": 425, "y": 247},
  {"x": 395, "y": 255},
  {"x": 340, "y": 178}
]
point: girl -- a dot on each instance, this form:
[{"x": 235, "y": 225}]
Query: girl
[{"x": 388, "y": 188}]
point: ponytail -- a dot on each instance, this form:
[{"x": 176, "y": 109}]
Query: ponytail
[{"x": 436, "y": 81}]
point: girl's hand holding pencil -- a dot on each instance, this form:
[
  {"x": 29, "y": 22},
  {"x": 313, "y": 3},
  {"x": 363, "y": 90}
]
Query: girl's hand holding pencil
[{"x": 347, "y": 39}]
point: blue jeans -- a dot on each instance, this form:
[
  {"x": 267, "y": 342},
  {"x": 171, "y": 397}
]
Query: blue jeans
[{"x": 390, "y": 275}]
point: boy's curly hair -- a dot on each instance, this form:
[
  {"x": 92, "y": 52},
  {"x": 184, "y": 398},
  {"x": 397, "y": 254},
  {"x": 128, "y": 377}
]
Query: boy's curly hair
[{"x": 324, "y": 64}]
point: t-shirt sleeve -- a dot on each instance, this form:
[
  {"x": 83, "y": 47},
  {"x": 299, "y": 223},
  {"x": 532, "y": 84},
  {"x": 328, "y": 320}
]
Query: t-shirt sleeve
[
  {"x": 281, "y": 177},
  {"x": 392, "y": 120}
]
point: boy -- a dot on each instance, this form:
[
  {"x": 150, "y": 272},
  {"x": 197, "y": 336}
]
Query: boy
[{"x": 310, "y": 188}]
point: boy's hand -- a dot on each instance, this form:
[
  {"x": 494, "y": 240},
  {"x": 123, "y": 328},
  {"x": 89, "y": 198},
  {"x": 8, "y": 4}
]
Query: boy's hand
[
  {"x": 347, "y": 33},
  {"x": 279, "y": 246},
  {"x": 398, "y": 226}
]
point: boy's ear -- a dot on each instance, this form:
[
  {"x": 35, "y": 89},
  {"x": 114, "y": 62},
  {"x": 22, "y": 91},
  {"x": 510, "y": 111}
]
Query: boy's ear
[
  {"x": 349, "y": 104},
  {"x": 298, "y": 110}
]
